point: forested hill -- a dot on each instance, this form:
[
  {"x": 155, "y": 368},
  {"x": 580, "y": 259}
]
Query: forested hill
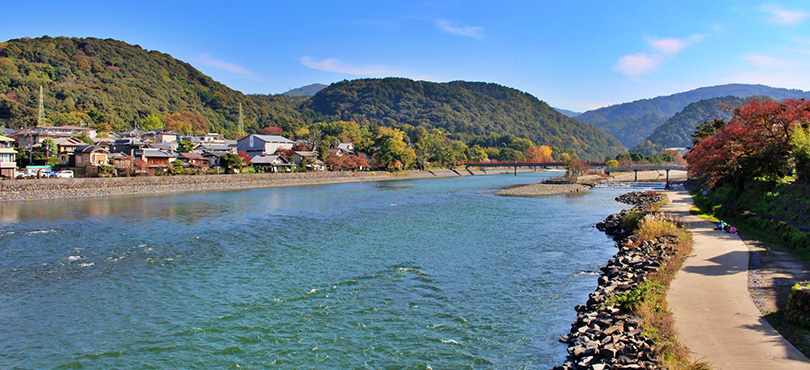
[
  {"x": 112, "y": 82},
  {"x": 113, "y": 85},
  {"x": 677, "y": 131},
  {"x": 632, "y": 122},
  {"x": 464, "y": 109}
]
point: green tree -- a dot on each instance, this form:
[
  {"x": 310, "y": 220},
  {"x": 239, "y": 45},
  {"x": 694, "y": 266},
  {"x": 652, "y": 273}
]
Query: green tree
[
  {"x": 477, "y": 154},
  {"x": 84, "y": 138},
  {"x": 800, "y": 140},
  {"x": 46, "y": 153},
  {"x": 230, "y": 162},
  {"x": 185, "y": 146},
  {"x": 152, "y": 122}
]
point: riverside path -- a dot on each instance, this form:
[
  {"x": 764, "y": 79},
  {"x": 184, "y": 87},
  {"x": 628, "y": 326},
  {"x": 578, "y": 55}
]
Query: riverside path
[{"x": 715, "y": 316}]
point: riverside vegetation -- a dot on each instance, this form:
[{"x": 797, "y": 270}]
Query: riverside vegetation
[{"x": 625, "y": 323}]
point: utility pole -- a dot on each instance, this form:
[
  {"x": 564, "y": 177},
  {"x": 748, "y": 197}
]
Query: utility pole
[{"x": 41, "y": 115}]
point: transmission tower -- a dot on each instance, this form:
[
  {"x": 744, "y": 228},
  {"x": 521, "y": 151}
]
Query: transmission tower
[
  {"x": 41, "y": 115},
  {"x": 241, "y": 121}
]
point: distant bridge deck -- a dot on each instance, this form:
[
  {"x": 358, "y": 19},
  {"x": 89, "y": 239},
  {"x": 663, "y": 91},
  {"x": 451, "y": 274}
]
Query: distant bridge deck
[
  {"x": 527, "y": 164},
  {"x": 641, "y": 167}
]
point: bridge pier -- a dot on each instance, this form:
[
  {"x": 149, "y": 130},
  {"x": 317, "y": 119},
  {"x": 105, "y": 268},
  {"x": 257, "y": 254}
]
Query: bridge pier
[{"x": 636, "y": 172}]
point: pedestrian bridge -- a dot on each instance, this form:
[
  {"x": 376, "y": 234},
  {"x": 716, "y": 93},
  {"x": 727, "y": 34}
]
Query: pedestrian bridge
[{"x": 640, "y": 167}]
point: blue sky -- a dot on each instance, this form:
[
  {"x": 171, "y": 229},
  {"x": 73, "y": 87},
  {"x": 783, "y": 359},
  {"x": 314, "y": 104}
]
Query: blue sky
[{"x": 576, "y": 55}]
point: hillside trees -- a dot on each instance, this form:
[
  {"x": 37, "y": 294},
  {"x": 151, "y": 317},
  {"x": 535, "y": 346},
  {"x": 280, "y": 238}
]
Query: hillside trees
[{"x": 755, "y": 144}]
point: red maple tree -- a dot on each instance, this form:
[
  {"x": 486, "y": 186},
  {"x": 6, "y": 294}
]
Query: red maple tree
[{"x": 754, "y": 144}]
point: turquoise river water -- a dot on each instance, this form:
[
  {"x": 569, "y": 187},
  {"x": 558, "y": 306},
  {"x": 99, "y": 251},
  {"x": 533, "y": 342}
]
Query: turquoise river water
[{"x": 418, "y": 274}]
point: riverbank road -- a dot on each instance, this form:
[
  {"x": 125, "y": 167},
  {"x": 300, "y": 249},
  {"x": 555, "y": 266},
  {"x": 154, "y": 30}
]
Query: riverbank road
[{"x": 714, "y": 314}]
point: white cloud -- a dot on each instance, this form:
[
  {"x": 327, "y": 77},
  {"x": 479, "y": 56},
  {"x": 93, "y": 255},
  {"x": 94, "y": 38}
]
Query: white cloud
[
  {"x": 639, "y": 64},
  {"x": 767, "y": 61},
  {"x": 668, "y": 46},
  {"x": 787, "y": 68},
  {"x": 230, "y": 67},
  {"x": 339, "y": 66},
  {"x": 473, "y": 31},
  {"x": 785, "y": 17}
]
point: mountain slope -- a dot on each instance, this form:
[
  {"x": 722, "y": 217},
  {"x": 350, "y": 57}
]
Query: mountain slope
[
  {"x": 112, "y": 82},
  {"x": 308, "y": 90},
  {"x": 465, "y": 109},
  {"x": 634, "y": 121},
  {"x": 677, "y": 131}
]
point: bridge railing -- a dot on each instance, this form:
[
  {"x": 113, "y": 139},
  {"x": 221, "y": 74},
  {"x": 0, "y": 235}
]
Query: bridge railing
[{"x": 535, "y": 164}]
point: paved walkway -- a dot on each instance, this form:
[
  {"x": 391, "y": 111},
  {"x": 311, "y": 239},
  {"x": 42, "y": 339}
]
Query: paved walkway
[{"x": 714, "y": 314}]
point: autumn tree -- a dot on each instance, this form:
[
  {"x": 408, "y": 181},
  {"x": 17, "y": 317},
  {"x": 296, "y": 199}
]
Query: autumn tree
[
  {"x": 391, "y": 152},
  {"x": 539, "y": 155},
  {"x": 755, "y": 143},
  {"x": 271, "y": 130},
  {"x": 186, "y": 122}
]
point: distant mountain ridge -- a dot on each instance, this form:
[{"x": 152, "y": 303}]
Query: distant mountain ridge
[
  {"x": 677, "y": 131},
  {"x": 632, "y": 122},
  {"x": 308, "y": 90},
  {"x": 567, "y": 112}
]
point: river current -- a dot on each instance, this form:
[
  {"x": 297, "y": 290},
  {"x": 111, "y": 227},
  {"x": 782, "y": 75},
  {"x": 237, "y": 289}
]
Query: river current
[{"x": 421, "y": 274}]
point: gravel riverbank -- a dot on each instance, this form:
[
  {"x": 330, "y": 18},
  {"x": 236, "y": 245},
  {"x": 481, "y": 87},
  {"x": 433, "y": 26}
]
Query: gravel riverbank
[{"x": 42, "y": 189}]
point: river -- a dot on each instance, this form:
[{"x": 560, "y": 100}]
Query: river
[{"x": 433, "y": 273}]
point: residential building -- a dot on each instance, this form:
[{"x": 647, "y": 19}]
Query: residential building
[
  {"x": 8, "y": 157},
  {"x": 346, "y": 147},
  {"x": 255, "y": 145},
  {"x": 65, "y": 148},
  {"x": 194, "y": 160},
  {"x": 157, "y": 160},
  {"x": 90, "y": 155},
  {"x": 311, "y": 158},
  {"x": 29, "y": 138},
  {"x": 271, "y": 163}
]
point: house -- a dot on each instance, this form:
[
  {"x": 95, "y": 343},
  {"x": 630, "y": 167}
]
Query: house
[
  {"x": 90, "y": 155},
  {"x": 337, "y": 152},
  {"x": 28, "y": 138},
  {"x": 221, "y": 148},
  {"x": 8, "y": 157},
  {"x": 209, "y": 138},
  {"x": 311, "y": 158},
  {"x": 194, "y": 160},
  {"x": 104, "y": 142},
  {"x": 213, "y": 157},
  {"x": 124, "y": 164},
  {"x": 271, "y": 163},
  {"x": 129, "y": 145},
  {"x": 157, "y": 160},
  {"x": 66, "y": 147},
  {"x": 255, "y": 145},
  {"x": 346, "y": 147},
  {"x": 165, "y": 136},
  {"x": 134, "y": 133}
]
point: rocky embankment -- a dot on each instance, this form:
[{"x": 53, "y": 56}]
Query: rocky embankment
[
  {"x": 42, "y": 189},
  {"x": 605, "y": 337}
]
